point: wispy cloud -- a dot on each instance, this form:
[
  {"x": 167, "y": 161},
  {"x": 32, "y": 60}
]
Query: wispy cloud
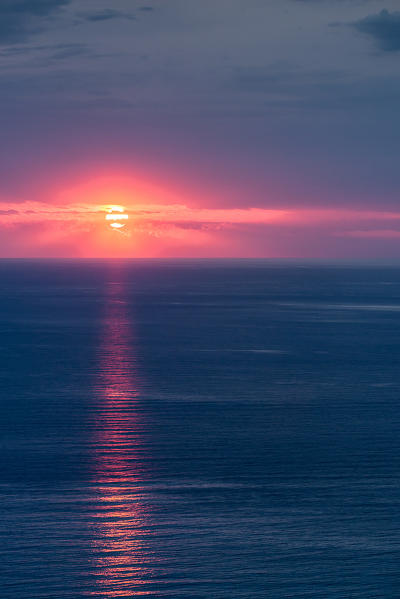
[
  {"x": 372, "y": 234},
  {"x": 106, "y": 15}
]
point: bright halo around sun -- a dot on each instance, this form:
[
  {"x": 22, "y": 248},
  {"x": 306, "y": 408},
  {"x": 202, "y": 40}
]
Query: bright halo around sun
[{"x": 116, "y": 217}]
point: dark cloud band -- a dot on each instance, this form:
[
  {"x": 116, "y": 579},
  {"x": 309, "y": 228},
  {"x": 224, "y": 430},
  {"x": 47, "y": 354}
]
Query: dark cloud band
[
  {"x": 17, "y": 17},
  {"x": 384, "y": 28}
]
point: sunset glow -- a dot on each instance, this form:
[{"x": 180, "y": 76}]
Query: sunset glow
[
  {"x": 156, "y": 220},
  {"x": 250, "y": 147}
]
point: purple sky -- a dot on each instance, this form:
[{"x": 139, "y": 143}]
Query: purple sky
[{"x": 211, "y": 109}]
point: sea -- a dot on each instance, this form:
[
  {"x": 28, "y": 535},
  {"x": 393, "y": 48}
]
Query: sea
[{"x": 199, "y": 429}]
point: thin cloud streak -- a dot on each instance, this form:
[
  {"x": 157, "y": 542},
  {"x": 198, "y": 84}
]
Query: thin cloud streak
[
  {"x": 372, "y": 234},
  {"x": 31, "y": 212}
]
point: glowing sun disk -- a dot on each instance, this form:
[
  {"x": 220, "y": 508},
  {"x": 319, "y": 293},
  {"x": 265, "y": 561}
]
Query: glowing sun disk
[{"x": 115, "y": 215}]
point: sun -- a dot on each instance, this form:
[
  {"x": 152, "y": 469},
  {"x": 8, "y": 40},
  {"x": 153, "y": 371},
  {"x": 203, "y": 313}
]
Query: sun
[{"x": 116, "y": 217}]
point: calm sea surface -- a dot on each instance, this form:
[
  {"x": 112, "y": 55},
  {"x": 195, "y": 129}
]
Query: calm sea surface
[{"x": 209, "y": 430}]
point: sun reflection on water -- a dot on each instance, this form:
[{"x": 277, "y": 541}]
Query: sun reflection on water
[{"x": 120, "y": 546}]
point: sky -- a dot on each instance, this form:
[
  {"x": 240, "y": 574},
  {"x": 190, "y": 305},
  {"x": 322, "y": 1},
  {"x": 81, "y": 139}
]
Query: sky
[{"x": 225, "y": 128}]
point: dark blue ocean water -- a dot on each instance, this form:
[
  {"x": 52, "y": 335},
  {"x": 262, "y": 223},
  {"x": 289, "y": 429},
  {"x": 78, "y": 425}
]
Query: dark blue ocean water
[{"x": 209, "y": 430}]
